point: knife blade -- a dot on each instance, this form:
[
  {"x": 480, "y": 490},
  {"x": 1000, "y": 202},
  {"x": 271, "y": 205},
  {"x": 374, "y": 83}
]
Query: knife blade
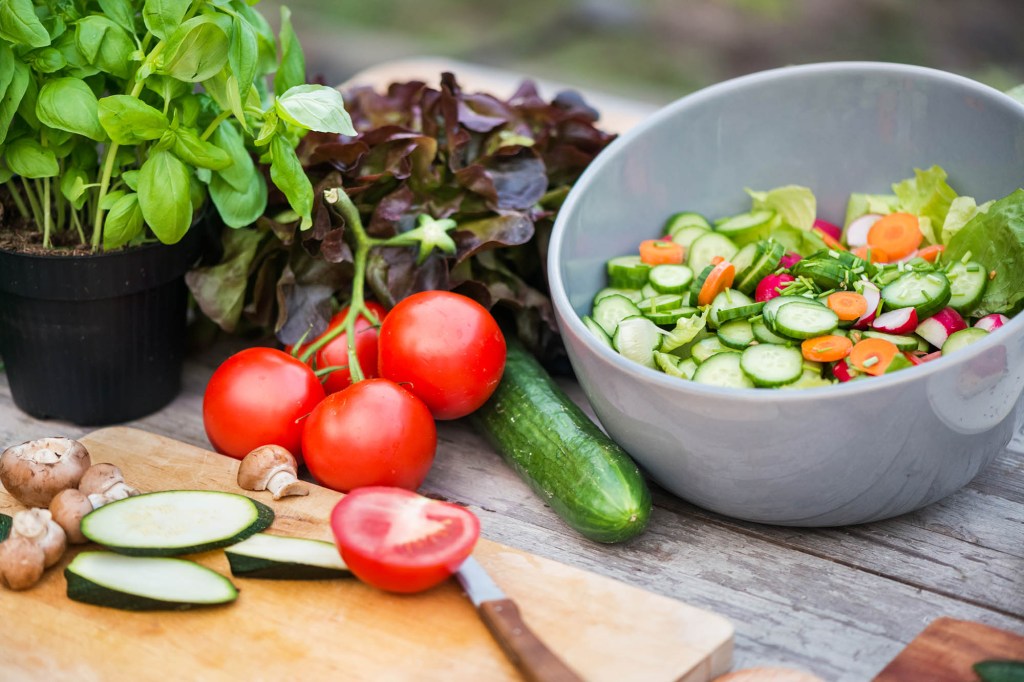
[{"x": 500, "y": 614}]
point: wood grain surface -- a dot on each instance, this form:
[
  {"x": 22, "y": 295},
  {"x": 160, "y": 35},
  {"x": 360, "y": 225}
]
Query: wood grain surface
[{"x": 342, "y": 629}]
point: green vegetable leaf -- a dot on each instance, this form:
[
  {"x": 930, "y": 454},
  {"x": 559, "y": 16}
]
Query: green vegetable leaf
[
  {"x": 163, "y": 17},
  {"x": 20, "y": 25},
  {"x": 123, "y": 223},
  {"x": 287, "y": 174},
  {"x": 120, "y": 12},
  {"x": 862, "y": 204},
  {"x": 687, "y": 329},
  {"x": 130, "y": 121},
  {"x": 804, "y": 242},
  {"x": 264, "y": 35},
  {"x": 47, "y": 60},
  {"x": 196, "y": 51},
  {"x": 69, "y": 104},
  {"x": 244, "y": 56},
  {"x": 961, "y": 210},
  {"x": 29, "y": 159},
  {"x": 131, "y": 178},
  {"x": 241, "y": 174},
  {"x": 12, "y": 98},
  {"x": 6, "y": 67},
  {"x": 926, "y": 194},
  {"x": 239, "y": 208},
  {"x": 220, "y": 290},
  {"x": 165, "y": 196},
  {"x": 795, "y": 204},
  {"x": 197, "y": 152},
  {"x": 996, "y": 240},
  {"x": 429, "y": 234},
  {"x": 73, "y": 185},
  {"x": 105, "y": 45},
  {"x": 315, "y": 107},
  {"x": 292, "y": 70}
]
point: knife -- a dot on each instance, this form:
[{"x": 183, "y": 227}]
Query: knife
[{"x": 523, "y": 648}]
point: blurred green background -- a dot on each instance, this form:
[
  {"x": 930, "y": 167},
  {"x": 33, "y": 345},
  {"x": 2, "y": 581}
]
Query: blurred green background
[{"x": 658, "y": 50}]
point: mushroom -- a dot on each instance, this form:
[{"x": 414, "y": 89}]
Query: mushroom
[
  {"x": 105, "y": 481},
  {"x": 21, "y": 562},
  {"x": 68, "y": 508},
  {"x": 273, "y": 468},
  {"x": 34, "y": 472},
  {"x": 38, "y": 526}
]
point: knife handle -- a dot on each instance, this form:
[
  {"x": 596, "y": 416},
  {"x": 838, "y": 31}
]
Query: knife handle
[{"x": 534, "y": 660}]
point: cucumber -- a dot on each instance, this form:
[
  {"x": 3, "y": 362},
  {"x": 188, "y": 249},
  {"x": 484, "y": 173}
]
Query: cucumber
[
  {"x": 5, "y": 526},
  {"x": 278, "y": 557},
  {"x": 964, "y": 337},
  {"x": 145, "y": 583},
  {"x": 176, "y": 522},
  {"x": 627, "y": 272},
  {"x": 723, "y": 369},
  {"x": 636, "y": 338},
  {"x": 632, "y": 294},
  {"x": 706, "y": 247},
  {"x": 597, "y": 330},
  {"x": 588, "y": 480},
  {"x": 678, "y": 221},
  {"x": 611, "y": 310}
]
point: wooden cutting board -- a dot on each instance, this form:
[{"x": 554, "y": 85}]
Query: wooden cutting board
[
  {"x": 946, "y": 650},
  {"x": 341, "y": 629}
]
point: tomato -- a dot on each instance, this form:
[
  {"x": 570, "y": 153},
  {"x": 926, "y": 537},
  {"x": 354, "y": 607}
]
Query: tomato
[
  {"x": 335, "y": 353},
  {"x": 372, "y": 433},
  {"x": 259, "y": 397},
  {"x": 399, "y": 541},
  {"x": 445, "y": 348}
]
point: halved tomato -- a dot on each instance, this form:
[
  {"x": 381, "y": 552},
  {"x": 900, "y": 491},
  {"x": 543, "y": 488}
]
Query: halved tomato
[{"x": 399, "y": 541}]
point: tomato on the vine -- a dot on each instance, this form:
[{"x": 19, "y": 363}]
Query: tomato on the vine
[
  {"x": 258, "y": 397},
  {"x": 445, "y": 348},
  {"x": 399, "y": 541},
  {"x": 335, "y": 352},
  {"x": 372, "y": 433}
]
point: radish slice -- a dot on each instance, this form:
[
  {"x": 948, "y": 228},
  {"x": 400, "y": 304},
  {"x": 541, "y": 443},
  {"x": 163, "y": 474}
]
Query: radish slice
[
  {"x": 937, "y": 328},
  {"x": 768, "y": 287},
  {"x": 841, "y": 370},
  {"x": 828, "y": 228},
  {"x": 874, "y": 296},
  {"x": 790, "y": 259},
  {"x": 931, "y": 356},
  {"x": 857, "y": 231},
  {"x": 899, "y": 321},
  {"x": 992, "y": 322}
]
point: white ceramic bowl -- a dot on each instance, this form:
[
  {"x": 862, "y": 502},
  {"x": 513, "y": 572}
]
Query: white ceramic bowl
[{"x": 836, "y": 455}]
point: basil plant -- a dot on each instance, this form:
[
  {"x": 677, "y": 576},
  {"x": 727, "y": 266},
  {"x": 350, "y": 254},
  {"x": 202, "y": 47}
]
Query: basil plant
[{"x": 119, "y": 118}]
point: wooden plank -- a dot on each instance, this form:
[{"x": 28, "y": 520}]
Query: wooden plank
[
  {"x": 947, "y": 650},
  {"x": 605, "y": 629}
]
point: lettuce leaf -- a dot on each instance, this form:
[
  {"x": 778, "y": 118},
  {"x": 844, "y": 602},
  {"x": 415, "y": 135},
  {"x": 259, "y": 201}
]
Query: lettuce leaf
[
  {"x": 960, "y": 213},
  {"x": 687, "y": 329},
  {"x": 927, "y": 195},
  {"x": 862, "y": 204},
  {"x": 804, "y": 242},
  {"x": 795, "y": 204},
  {"x": 996, "y": 240}
]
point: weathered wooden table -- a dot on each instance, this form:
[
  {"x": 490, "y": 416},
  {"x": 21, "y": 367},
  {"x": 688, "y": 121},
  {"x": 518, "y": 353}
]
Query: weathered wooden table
[{"x": 838, "y": 602}]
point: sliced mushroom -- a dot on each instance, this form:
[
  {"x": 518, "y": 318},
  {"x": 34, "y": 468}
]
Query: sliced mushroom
[
  {"x": 106, "y": 481},
  {"x": 34, "y": 472},
  {"x": 22, "y": 562},
  {"x": 38, "y": 526},
  {"x": 272, "y": 468}
]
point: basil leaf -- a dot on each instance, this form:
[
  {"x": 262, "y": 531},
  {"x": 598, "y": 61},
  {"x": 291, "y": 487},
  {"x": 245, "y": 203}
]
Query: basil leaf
[
  {"x": 120, "y": 12},
  {"x": 111, "y": 199},
  {"x": 315, "y": 107},
  {"x": 287, "y": 174},
  {"x": 130, "y": 121},
  {"x": 241, "y": 174},
  {"x": 72, "y": 186},
  {"x": 123, "y": 223},
  {"x": 47, "y": 60},
  {"x": 264, "y": 35},
  {"x": 292, "y": 70},
  {"x": 69, "y": 104},
  {"x": 162, "y": 17},
  {"x": 165, "y": 196},
  {"x": 131, "y": 178},
  {"x": 245, "y": 52},
  {"x": 20, "y": 25},
  {"x": 5, "y": 172},
  {"x": 29, "y": 159},
  {"x": 11, "y": 100},
  {"x": 6, "y": 67},
  {"x": 197, "y": 152},
  {"x": 78, "y": 66},
  {"x": 196, "y": 51},
  {"x": 239, "y": 208},
  {"x": 105, "y": 45},
  {"x": 223, "y": 88}
]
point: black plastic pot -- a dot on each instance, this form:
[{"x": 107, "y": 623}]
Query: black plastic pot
[{"x": 96, "y": 339}]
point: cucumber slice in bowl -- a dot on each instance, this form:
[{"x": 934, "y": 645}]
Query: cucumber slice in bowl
[
  {"x": 176, "y": 522},
  {"x": 145, "y": 583},
  {"x": 278, "y": 557}
]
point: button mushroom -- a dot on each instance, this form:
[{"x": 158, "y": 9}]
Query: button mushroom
[
  {"x": 106, "y": 481},
  {"x": 34, "y": 472},
  {"x": 68, "y": 508},
  {"x": 272, "y": 468},
  {"x": 38, "y": 526},
  {"x": 22, "y": 563}
]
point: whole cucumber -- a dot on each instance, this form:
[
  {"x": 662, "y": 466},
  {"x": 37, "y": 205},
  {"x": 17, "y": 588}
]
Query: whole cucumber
[{"x": 590, "y": 482}]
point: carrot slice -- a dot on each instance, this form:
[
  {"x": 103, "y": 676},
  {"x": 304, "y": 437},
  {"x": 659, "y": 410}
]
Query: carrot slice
[
  {"x": 873, "y": 356},
  {"x": 830, "y": 241},
  {"x": 898, "y": 234},
  {"x": 848, "y": 305},
  {"x": 931, "y": 253},
  {"x": 827, "y": 348},
  {"x": 660, "y": 252},
  {"x": 719, "y": 279},
  {"x": 872, "y": 254}
]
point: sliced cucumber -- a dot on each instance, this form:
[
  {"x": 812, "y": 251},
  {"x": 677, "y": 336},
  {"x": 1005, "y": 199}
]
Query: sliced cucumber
[
  {"x": 726, "y": 300},
  {"x": 744, "y": 258},
  {"x": 736, "y": 334},
  {"x": 145, "y": 583},
  {"x": 804, "y": 320},
  {"x": 176, "y": 522},
  {"x": 926, "y": 292},
  {"x": 634, "y": 295},
  {"x": 765, "y": 335},
  {"x": 277, "y": 557},
  {"x": 967, "y": 282},
  {"x": 647, "y": 291},
  {"x": 766, "y": 261},
  {"x": 739, "y": 312},
  {"x": 964, "y": 337},
  {"x": 706, "y": 348},
  {"x": 686, "y": 235},
  {"x": 677, "y": 221},
  {"x": 772, "y": 306},
  {"x": 636, "y": 338},
  {"x": 627, "y": 272},
  {"x": 597, "y": 330},
  {"x": 723, "y": 369},
  {"x": 665, "y": 318},
  {"x": 706, "y": 247},
  {"x": 901, "y": 341},
  {"x": 747, "y": 228},
  {"x": 659, "y": 303},
  {"x": 769, "y": 365},
  {"x": 671, "y": 279},
  {"x": 611, "y": 310}
]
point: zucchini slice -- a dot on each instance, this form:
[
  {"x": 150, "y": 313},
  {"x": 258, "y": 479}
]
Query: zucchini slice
[
  {"x": 176, "y": 522},
  {"x": 277, "y": 557},
  {"x": 5, "y": 526},
  {"x": 145, "y": 583}
]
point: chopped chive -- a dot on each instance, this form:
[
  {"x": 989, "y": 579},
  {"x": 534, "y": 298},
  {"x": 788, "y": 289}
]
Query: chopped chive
[
  {"x": 870, "y": 362},
  {"x": 966, "y": 258}
]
